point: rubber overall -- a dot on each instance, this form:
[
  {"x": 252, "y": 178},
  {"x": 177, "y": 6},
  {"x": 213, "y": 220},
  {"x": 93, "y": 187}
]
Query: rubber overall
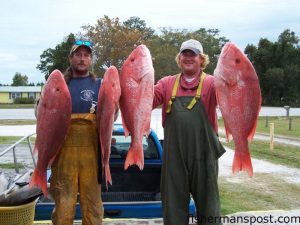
[
  {"x": 190, "y": 164},
  {"x": 75, "y": 170}
]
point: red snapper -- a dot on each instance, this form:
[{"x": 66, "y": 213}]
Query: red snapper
[
  {"x": 137, "y": 87},
  {"x": 53, "y": 119},
  {"x": 108, "y": 103},
  {"x": 239, "y": 98}
]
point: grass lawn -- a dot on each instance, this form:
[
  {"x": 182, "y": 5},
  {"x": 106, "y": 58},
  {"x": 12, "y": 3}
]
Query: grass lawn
[
  {"x": 16, "y": 122},
  {"x": 281, "y": 154},
  {"x": 16, "y": 106},
  {"x": 264, "y": 191},
  {"x": 6, "y": 140},
  {"x": 261, "y": 192},
  {"x": 11, "y": 166},
  {"x": 281, "y": 126}
]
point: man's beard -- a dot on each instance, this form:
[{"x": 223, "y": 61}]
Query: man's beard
[{"x": 79, "y": 71}]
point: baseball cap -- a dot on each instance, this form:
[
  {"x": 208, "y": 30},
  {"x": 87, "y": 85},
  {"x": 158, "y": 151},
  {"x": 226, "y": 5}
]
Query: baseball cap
[
  {"x": 193, "y": 45},
  {"x": 80, "y": 43}
]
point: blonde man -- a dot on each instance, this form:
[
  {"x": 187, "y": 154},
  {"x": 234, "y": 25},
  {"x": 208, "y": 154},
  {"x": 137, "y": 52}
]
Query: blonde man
[{"x": 191, "y": 146}]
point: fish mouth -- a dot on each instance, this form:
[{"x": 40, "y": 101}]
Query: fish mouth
[{"x": 226, "y": 49}]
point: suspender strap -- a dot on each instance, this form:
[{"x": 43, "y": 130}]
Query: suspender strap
[
  {"x": 194, "y": 100},
  {"x": 198, "y": 93},
  {"x": 174, "y": 91}
]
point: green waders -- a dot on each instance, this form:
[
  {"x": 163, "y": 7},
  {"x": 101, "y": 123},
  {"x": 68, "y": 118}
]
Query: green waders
[{"x": 190, "y": 164}]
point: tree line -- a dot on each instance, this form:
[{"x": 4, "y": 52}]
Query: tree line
[
  {"x": 22, "y": 80},
  {"x": 278, "y": 67},
  {"x": 277, "y": 63}
]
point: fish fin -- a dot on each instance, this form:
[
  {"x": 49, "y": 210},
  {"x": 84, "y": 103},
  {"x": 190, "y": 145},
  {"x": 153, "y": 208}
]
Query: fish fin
[
  {"x": 126, "y": 131},
  {"x": 228, "y": 134},
  {"x": 147, "y": 132},
  {"x": 53, "y": 158},
  {"x": 135, "y": 157},
  {"x": 147, "y": 129},
  {"x": 108, "y": 179},
  {"x": 39, "y": 180},
  {"x": 35, "y": 149},
  {"x": 242, "y": 162},
  {"x": 253, "y": 130}
]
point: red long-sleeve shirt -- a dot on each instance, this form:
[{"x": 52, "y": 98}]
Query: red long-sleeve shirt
[{"x": 163, "y": 92}]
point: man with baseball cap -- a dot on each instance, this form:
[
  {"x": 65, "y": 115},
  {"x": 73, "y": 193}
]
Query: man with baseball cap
[
  {"x": 191, "y": 145},
  {"x": 81, "y": 43},
  {"x": 77, "y": 169},
  {"x": 192, "y": 45}
]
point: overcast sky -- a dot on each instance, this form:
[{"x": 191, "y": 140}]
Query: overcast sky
[{"x": 31, "y": 26}]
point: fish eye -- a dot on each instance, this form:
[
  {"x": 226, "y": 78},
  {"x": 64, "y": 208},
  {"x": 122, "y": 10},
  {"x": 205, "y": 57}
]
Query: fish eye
[
  {"x": 57, "y": 89},
  {"x": 237, "y": 61}
]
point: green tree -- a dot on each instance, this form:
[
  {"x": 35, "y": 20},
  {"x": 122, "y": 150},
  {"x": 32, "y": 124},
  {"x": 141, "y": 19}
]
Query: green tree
[
  {"x": 135, "y": 23},
  {"x": 113, "y": 40},
  {"x": 275, "y": 62},
  {"x": 56, "y": 58},
  {"x": 165, "y": 48},
  {"x": 274, "y": 77},
  {"x": 39, "y": 84},
  {"x": 19, "y": 80},
  {"x": 291, "y": 91}
]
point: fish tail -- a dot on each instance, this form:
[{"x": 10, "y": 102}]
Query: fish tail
[
  {"x": 253, "y": 130},
  {"x": 40, "y": 180},
  {"x": 135, "y": 156},
  {"x": 242, "y": 162},
  {"x": 108, "y": 179}
]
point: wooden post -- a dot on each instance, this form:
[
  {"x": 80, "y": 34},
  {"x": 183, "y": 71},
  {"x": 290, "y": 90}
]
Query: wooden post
[
  {"x": 266, "y": 121},
  {"x": 290, "y": 123},
  {"x": 271, "y": 136}
]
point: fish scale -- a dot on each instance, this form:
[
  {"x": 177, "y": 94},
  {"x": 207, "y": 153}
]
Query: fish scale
[
  {"x": 108, "y": 102},
  {"x": 239, "y": 98},
  {"x": 53, "y": 120},
  {"x": 137, "y": 91}
]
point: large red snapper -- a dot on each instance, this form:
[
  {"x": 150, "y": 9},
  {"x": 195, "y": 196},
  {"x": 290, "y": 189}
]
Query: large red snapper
[
  {"x": 239, "y": 98},
  {"x": 137, "y": 86},
  {"x": 53, "y": 119},
  {"x": 108, "y": 103}
]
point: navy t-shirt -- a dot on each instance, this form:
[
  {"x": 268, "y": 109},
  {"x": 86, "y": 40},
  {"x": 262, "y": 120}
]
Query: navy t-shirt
[{"x": 84, "y": 93}]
